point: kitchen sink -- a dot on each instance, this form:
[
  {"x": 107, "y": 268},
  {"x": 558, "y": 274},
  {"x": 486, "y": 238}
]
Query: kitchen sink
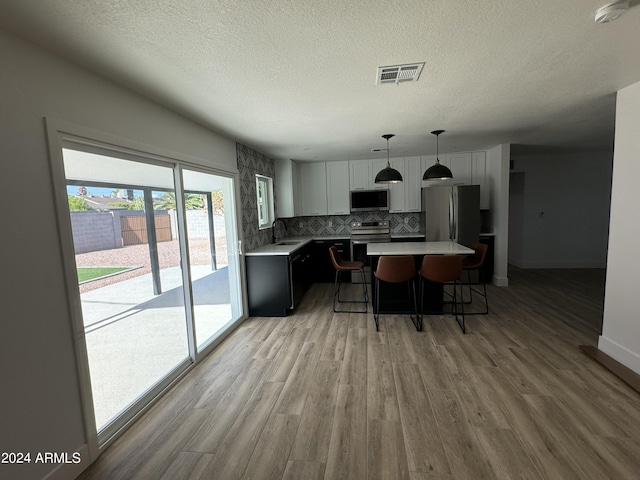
[{"x": 287, "y": 243}]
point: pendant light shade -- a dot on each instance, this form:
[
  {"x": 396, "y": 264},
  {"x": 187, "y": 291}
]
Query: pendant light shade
[
  {"x": 388, "y": 174},
  {"x": 437, "y": 171}
]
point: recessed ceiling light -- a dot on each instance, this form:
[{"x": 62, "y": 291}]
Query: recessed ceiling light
[{"x": 611, "y": 11}]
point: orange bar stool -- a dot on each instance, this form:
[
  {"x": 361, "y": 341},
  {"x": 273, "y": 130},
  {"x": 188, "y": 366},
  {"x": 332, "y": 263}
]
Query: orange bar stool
[
  {"x": 445, "y": 269},
  {"x": 396, "y": 269},
  {"x": 473, "y": 263},
  {"x": 345, "y": 266}
]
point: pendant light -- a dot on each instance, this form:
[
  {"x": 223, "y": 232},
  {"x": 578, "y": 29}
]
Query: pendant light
[
  {"x": 388, "y": 174},
  {"x": 437, "y": 171}
]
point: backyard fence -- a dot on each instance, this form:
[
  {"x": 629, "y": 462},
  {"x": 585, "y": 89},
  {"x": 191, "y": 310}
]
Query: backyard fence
[
  {"x": 134, "y": 229},
  {"x": 94, "y": 231}
]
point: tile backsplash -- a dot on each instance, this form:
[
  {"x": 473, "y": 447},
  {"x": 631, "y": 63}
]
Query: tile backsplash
[
  {"x": 250, "y": 163},
  {"x": 341, "y": 224}
]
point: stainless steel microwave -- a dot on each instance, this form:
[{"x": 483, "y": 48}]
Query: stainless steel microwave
[{"x": 369, "y": 200}]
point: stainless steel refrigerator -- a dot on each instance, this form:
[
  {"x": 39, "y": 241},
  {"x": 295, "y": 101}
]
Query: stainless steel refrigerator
[{"x": 451, "y": 212}]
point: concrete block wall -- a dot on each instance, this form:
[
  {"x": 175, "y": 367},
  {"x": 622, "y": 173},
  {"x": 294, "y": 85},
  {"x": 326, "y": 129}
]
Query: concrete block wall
[
  {"x": 197, "y": 224},
  {"x": 94, "y": 231}
]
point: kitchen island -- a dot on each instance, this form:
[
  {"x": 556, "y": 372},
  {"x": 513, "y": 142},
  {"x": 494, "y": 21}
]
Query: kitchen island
[
  {"x": 417, "y": 248},
  {"x": 393, "y": 297}
]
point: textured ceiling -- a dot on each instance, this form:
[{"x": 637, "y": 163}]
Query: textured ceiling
[{"x": 296, "y": 78}]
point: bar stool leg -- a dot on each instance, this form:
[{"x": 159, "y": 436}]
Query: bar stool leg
[
  {"x": 418, "y": 319},
  {"x": 455, "y": 304},
  {"x": 336, "y": 290},
  {"x": 337, "y": 284},
  {"x": 376, "y": 307},
  {"x": 364, "y": 288},
  {"x": 486, "y": 299},
  {"x": 376, "y": 310},
  {"x": 482, "y": 294}
]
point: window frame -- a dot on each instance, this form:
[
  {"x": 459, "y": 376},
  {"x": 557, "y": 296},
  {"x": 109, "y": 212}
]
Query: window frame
[{"x": 265, "y": 204}]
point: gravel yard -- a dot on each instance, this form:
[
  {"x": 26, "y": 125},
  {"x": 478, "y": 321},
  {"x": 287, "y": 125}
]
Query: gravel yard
[{"x": 138, "y": 256}]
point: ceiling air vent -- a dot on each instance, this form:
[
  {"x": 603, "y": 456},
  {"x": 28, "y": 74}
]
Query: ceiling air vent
[{"x": 399, "y": 73}]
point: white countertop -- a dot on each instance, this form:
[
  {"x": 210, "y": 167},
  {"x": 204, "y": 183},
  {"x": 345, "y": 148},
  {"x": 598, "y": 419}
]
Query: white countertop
[
  {"x": 418, "y": 248},
  {"x": 388, "y": 248},
  {"x": 292, "y": 244}
]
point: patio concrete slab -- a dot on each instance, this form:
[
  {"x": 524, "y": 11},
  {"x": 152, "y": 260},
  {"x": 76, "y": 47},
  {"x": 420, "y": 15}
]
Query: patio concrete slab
[{"x": 134, "y": 338}]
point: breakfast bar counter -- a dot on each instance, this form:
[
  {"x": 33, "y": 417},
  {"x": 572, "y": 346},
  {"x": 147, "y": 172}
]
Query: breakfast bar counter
[
  {"x": 417, "y": 248},
  {"x": 393, "y": 297}
]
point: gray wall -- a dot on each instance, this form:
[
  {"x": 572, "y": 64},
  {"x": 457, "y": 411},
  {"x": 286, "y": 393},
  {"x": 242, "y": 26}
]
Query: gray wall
[
  {"x": 40, "y": 396},
  {"x": 563, "y": 217}
]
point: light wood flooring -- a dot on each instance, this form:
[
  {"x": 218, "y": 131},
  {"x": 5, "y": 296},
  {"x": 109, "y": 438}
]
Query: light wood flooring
[{"x": 321, "y": 395}]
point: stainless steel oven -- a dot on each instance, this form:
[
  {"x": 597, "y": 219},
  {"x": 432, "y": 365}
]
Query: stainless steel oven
[{"x": 363, "y": 233}]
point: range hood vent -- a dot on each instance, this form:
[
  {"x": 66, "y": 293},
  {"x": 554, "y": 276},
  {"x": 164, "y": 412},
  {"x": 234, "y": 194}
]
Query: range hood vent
[{"x": 409, "y": 72}]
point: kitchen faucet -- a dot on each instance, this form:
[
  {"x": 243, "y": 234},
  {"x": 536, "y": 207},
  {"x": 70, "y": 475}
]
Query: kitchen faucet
[{"x": 273, "y": 228}]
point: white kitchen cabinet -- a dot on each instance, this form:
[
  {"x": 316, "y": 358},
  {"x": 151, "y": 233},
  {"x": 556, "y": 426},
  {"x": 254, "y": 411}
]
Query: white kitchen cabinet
[
  {"x": 405, "y": 196},
  {"x": 313, "y": 188},
  {"x": 460, "y": 165},
  {"x": 359, "y": 174},
  {"x": 479, "y": 177},
  {"x": 338, "y": 188},
  {"x": 287, "y": 189},
  {"x": 397, "y": 190},
  {"x": 412, "y": 177},
  {"x": 468, "y": 168},
  {"x": 362, "y": 174}
]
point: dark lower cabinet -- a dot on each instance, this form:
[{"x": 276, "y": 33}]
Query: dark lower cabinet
[
  {"x": 487, "y": 268},
  {"x": 269, "y": 285},
  {"x": 398, "y": 298},
  {"x": 277, "y": 283},
  {"x": 323, "y": 270}
]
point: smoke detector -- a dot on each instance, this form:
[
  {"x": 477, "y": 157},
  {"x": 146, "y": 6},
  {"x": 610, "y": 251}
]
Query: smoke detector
[{"x": 610, "y": 12}]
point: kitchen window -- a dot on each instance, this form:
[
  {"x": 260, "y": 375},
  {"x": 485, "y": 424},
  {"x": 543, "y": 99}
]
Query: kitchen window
[{"x": 264, "y": 196}]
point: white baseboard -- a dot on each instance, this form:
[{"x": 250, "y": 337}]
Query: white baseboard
[
  {"x": 500, "y": 281},
  {"x": 620, "y": 353}
]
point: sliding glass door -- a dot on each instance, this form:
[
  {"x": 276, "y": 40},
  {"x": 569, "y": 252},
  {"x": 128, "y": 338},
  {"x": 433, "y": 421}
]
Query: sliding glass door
[
  {"x": 135, "y": 223},
  {"x": 213, "y": 262}
]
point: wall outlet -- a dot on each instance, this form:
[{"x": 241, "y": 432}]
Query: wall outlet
[
  {"x": 406, "y": 220},
  {"x": 301, "y": 224},
  {"x": 330, "y": 223}
]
